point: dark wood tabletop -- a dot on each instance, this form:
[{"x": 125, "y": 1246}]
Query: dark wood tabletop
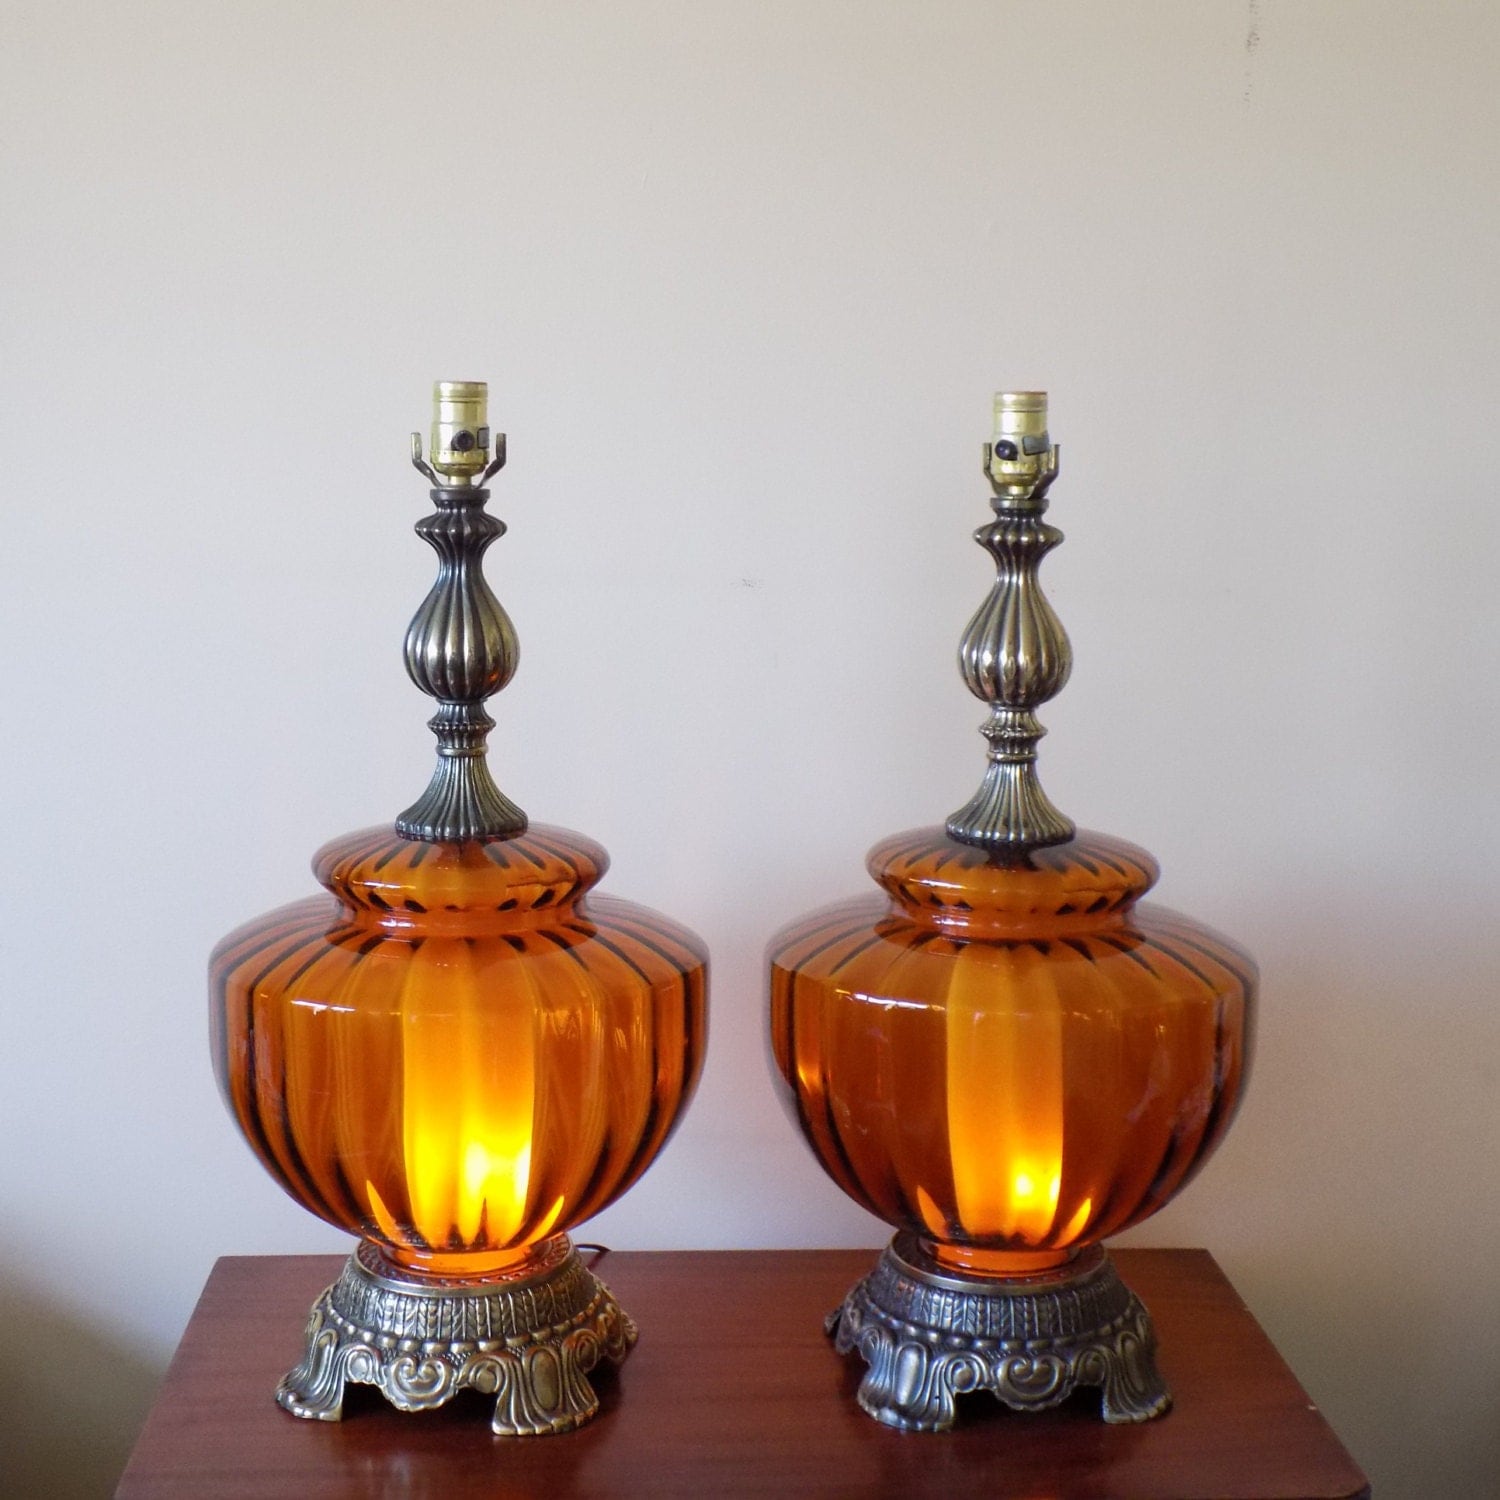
[{"x": 733, "y": 1390}]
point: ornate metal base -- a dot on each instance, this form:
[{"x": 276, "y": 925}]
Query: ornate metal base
[
  {"x": 929, "y": 1336},
  {"x": 529, "y": 1340}
]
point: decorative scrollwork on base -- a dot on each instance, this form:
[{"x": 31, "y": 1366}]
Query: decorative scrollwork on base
[
  {"x": 528, "y": 1342},
  {"x": 929, "y": 1336}
]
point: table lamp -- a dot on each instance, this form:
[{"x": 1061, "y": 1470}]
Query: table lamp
[
  {"x": 459, "y": 1053},
  {"x": 1006, "y": 1054}
]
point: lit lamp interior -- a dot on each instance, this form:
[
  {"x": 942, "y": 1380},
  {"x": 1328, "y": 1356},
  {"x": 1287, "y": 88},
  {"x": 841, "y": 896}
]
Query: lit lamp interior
[
  {"x": 458, "y": 1053},
  {"x": 1005, "y": 1116},
  {"x": 1005, "y": 1054}
]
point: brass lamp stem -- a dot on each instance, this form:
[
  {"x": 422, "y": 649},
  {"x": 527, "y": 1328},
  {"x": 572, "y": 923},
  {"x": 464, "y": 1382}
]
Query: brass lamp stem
[
  {"x": 461, "y": 646},
  {"x": 1015, "y": 653}
]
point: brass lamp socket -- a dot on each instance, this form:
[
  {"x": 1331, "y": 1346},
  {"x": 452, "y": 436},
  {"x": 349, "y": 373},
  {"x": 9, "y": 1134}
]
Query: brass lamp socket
[
  {"x": 460, "y": 446},
  {"x": 1021, "y": 459}
]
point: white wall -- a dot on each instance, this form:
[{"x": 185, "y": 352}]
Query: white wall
[{"x": 742, "y": 278}]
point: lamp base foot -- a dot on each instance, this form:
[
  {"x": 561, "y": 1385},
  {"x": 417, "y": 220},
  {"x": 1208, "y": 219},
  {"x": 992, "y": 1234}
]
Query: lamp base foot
[
  {"x": 929, "y": 1336},
  {"x": 529, "y": 1339}
]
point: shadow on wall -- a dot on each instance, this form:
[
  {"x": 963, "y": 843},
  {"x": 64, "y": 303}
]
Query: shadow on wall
[
  {"x": 1368, "y": 1186},
  {"x": 72, "y": 1412},
  {"x": 1414, "y": 1440}
]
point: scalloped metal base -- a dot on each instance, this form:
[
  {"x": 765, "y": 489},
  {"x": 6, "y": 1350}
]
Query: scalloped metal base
[
  {"x": 929, "y": 1336},
  {"x": 528, "y": 1339}
]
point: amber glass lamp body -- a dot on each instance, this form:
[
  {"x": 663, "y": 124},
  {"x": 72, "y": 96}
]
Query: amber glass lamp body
[
  {"x": 459, "y": 1052},
  {"x": 1004, "y": 1052},
  {"x": 1009, "y": 1060}
]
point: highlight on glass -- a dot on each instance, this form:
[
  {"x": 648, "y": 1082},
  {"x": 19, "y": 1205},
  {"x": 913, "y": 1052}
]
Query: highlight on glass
[
  {"x": 1005, "y": 1053},
  {"x": 459, "y": 1051}
]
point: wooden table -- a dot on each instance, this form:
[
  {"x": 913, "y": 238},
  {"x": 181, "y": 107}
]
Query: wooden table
[{"x": 733, "y": 1390}]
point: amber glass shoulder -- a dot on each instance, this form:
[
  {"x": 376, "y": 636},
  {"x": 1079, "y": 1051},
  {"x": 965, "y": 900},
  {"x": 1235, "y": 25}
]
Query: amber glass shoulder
[
  {"x": 1010, "y": 1055},
  {"x": 459, "y": 1051}
]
